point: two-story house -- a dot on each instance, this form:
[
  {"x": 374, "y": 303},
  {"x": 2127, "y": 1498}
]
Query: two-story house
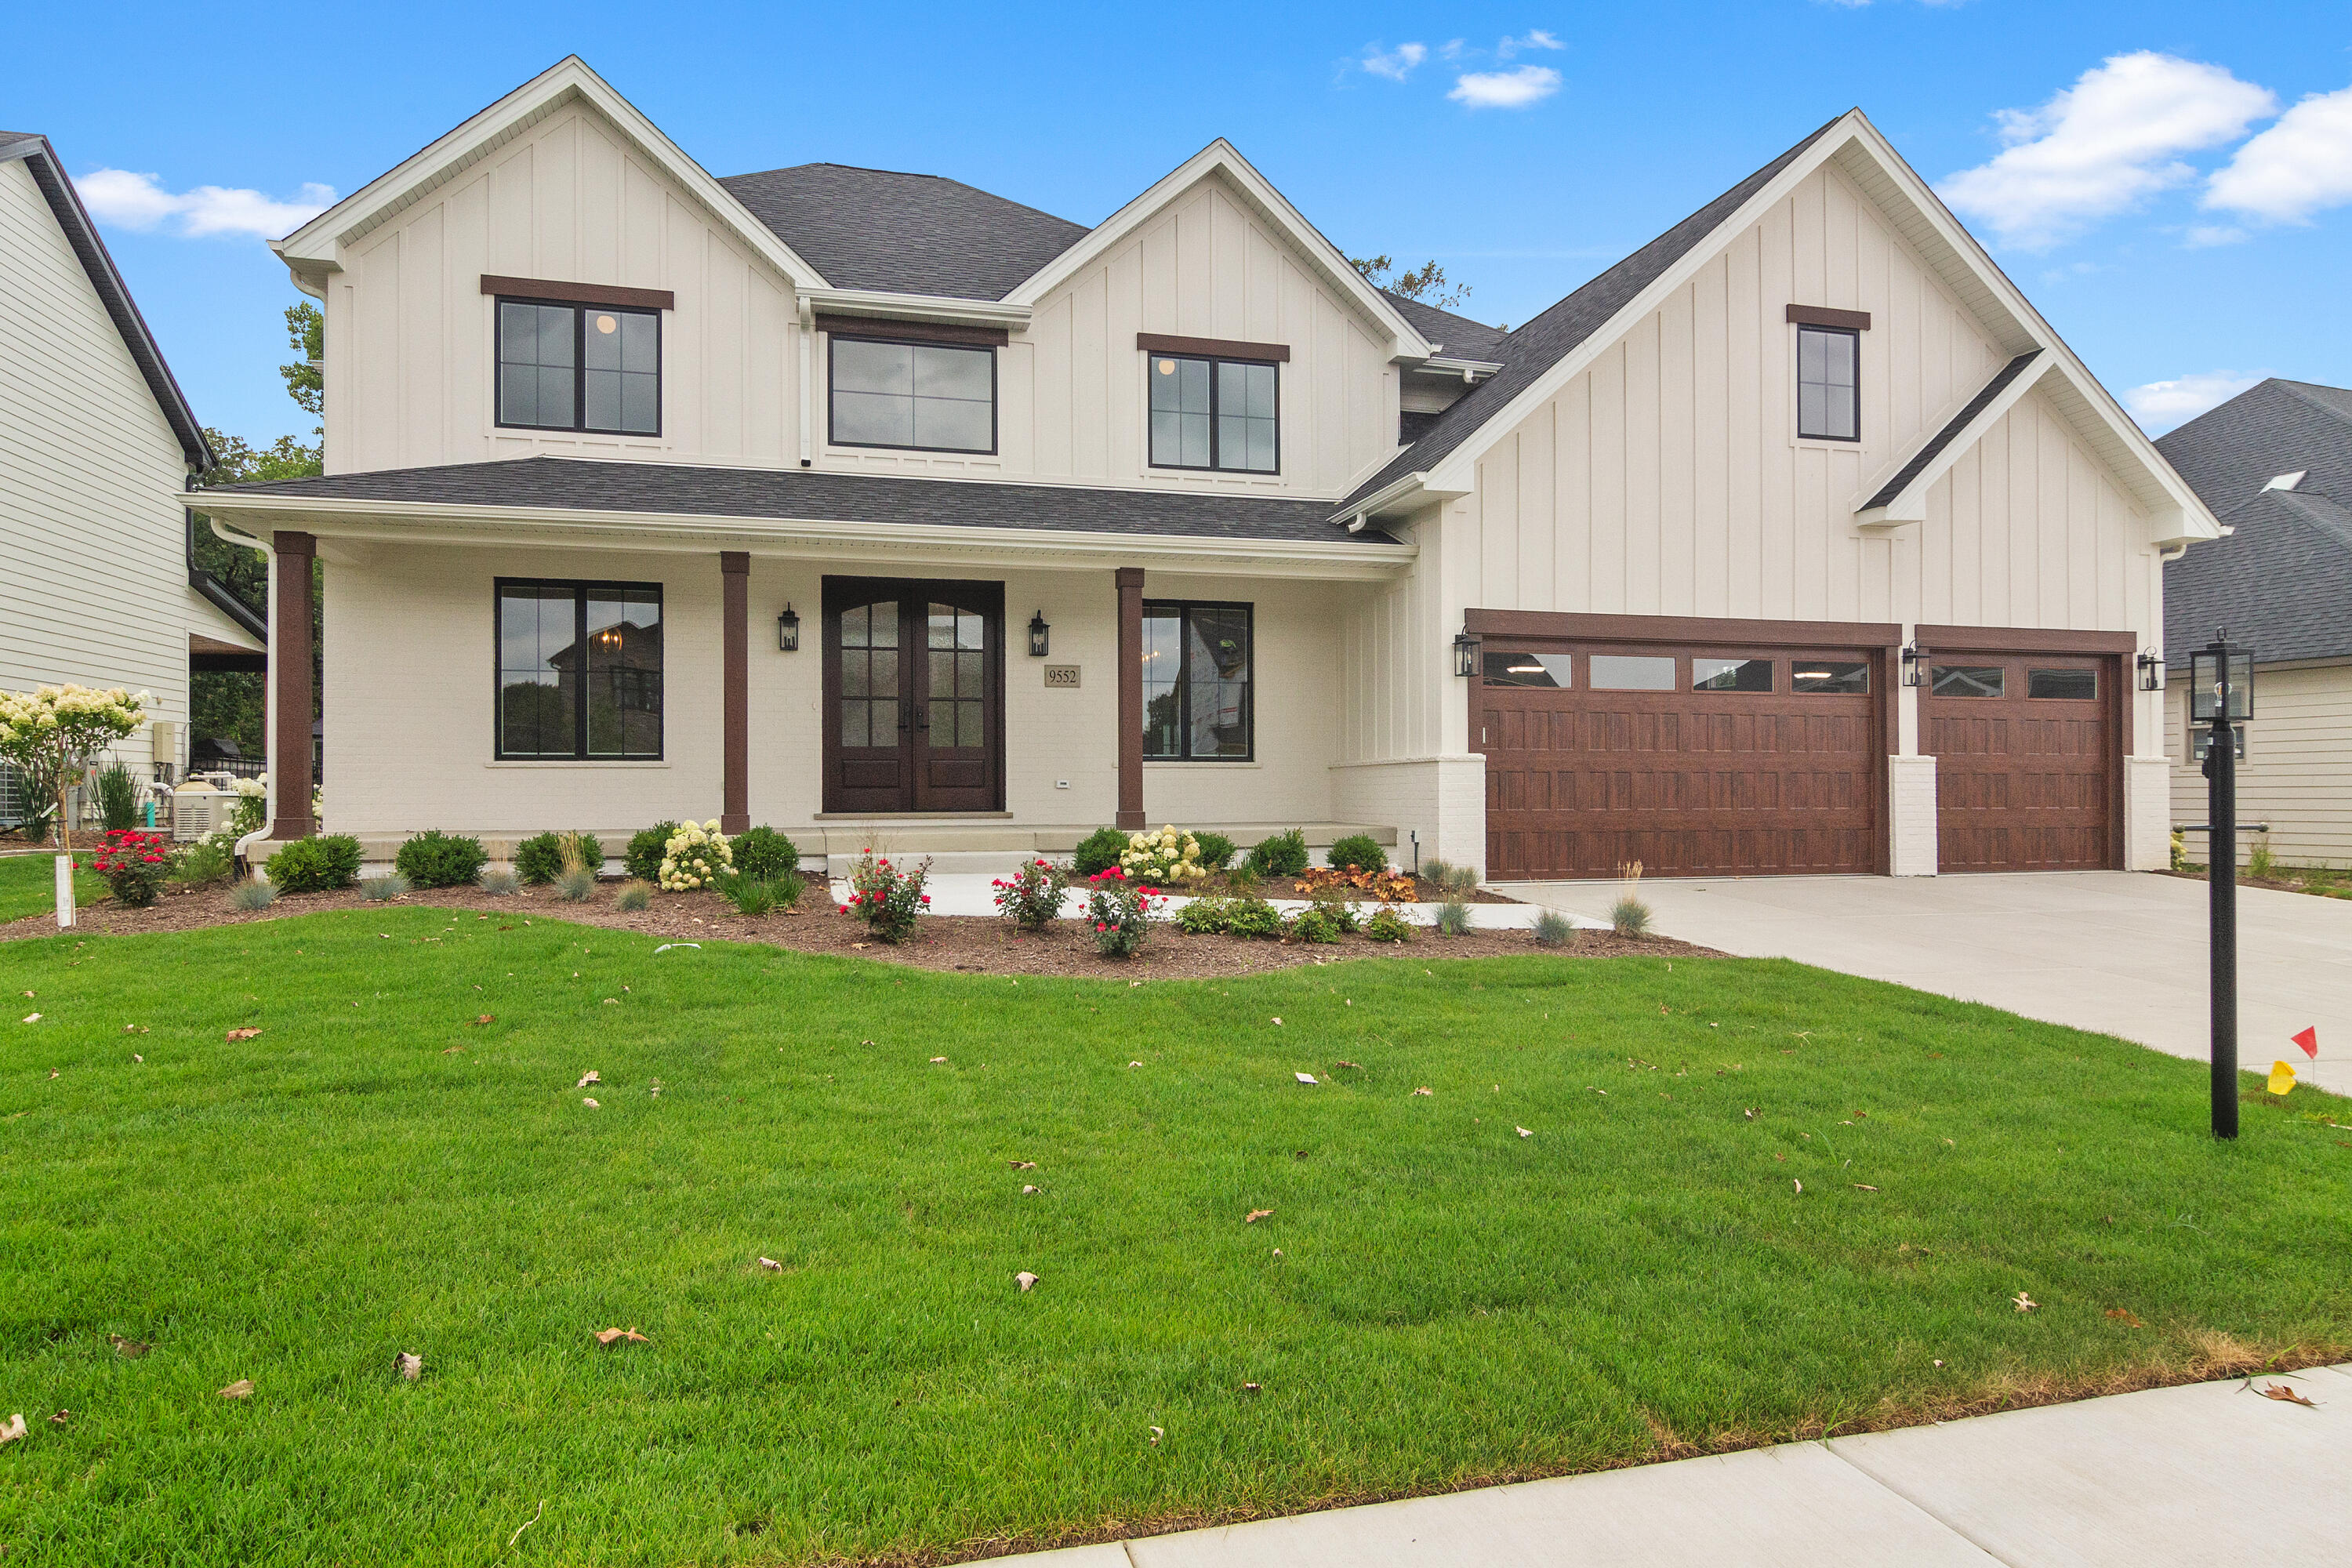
[{"x": 878, "y": 508}]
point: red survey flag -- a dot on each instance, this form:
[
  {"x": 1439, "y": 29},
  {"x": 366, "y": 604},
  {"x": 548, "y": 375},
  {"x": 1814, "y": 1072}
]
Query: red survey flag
[{"x": 2309, "y": 1041}]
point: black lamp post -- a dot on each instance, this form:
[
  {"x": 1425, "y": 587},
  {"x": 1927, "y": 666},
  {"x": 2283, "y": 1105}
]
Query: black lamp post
[
  {"x": 2221, "y": 692},
  {"x": 1040, "y": 635},
  {"x": 788, "y": 631}
]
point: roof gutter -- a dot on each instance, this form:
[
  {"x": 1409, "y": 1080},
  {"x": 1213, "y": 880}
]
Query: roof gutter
[{"x": 882, "y": 306}]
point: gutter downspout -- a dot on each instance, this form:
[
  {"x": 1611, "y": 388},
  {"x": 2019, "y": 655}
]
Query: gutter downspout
[{"x": 808, "y": 358}]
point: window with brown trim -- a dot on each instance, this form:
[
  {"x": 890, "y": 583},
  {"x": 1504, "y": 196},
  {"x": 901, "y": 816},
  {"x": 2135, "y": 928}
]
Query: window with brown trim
[
  {"x": 1829, "y": 383},
  {"x": 1214, "y": 413},
  {"x": 591, "y": 368}
]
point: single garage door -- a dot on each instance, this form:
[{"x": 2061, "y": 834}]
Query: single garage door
[
  {"x": 2025, "y": 761},
  {"x": 1700, "y": 759}
]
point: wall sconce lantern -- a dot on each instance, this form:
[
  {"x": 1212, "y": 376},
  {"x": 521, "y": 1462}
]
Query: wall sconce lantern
[
  {"x": 2151, "y": 670},
  {"x": 1914, "y": 662},
  {"x": 1466, "y": 653},
  {"x": 788, "y": 632},
  {"x": 2209, "y": 676},
  {"x": 1040, "y": 635}
]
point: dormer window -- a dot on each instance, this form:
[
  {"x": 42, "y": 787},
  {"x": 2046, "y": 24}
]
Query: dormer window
[
  {"x": 1214, "y": 404},
  {"x": 594, "y": 368},
  {"x": 906, "y": 392}
]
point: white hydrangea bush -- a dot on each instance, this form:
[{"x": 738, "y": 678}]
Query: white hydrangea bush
[
  {"x": 696, "y": 856},
  {"x": 1168, "y": 858},
  {"x": 54, "y": 732}
]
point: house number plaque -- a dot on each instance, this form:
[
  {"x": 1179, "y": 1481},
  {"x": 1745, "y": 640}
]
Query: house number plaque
[{"x": 1061, "y": 675}]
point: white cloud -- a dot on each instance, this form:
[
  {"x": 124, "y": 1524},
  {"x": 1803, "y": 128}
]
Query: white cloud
[
  {"x": 2297, "y": 167},
  {"x": 126, "y": 200},
  {"x": 2204, "y": 235},
  {"x": 1395, "y": 63},
  {"x": 1505, "y": 89},
  {"x": 2159, "y": 405},
  {"x": 1537, "y": 39},
  {"x": 1452, "y": 48},
  {"x": 2104, "y": 144}
]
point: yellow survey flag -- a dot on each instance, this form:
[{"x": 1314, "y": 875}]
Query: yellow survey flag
[{"x": 2281, "y": 1077}]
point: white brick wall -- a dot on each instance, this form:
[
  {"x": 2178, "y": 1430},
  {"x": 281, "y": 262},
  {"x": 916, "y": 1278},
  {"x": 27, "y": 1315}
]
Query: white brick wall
[
  {"x": 2148, "y": 813},
  {"x": 1911, "y": 815},
  {"x": 1444, "y": 799}
]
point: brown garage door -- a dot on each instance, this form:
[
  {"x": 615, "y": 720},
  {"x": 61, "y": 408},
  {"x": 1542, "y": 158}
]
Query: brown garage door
[
  {"x": 2025, "y": 761},
  {"x": 1698, "y": 760}
]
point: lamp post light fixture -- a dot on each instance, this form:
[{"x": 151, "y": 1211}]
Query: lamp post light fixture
[
  {"x": 1466, "y": 653},
  {"x": 1915, "y": 663},
  {"x": 788, "y": 631},
  {"x": 2221, "y": 692},
  {"x": 1040, "y": 635},
  {"x": 2151, "y": 670}
]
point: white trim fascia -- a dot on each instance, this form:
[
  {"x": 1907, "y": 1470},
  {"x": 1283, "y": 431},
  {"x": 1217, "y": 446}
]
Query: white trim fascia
[
  {"x": 1910, "y": 503},
  {"x": 1390, "y": 499},
  {"x": 919, "y": 307},
  {"x": 1467, "y": 369},
  {"x": 316, "y": 246},
  {"x": 1221, "y": 157},
  {"x": 441, "y": 522}
]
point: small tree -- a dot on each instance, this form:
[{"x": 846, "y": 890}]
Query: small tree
[{"x": 53, "y": 732}]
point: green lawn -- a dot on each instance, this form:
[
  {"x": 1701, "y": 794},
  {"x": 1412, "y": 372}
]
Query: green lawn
[
  {"x": 1453, "y": 1301},
  {"x": 28, "y": 886}
]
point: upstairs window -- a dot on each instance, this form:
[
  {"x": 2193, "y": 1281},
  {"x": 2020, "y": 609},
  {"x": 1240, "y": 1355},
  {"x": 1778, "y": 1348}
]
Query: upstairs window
[
  {"x": 1829, "y": 383},
  {"x": 1213, "y": 414},
  {"x": 929, "y": 396},
  {"x": 592, "y": 368}
]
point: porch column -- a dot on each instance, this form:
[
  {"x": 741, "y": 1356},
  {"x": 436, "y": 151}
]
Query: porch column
[
  {"x": 289, "y": 669},
  {"x": 735, "y": 699},
  {"x": 1130, "y": 697}
]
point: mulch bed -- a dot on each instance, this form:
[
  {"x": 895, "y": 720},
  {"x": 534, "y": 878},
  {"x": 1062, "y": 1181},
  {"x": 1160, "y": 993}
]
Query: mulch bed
[{"x": 944, "y": 941}]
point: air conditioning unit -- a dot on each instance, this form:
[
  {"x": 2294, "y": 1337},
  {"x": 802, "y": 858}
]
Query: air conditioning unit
[{"x": 198, "y": 809}]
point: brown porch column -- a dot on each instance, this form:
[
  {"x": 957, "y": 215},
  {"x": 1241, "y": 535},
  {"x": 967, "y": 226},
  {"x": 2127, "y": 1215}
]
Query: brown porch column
[
  {"x": 1130, "y": 697},
  {"x": 735, "y": 701},
  {"x": 289, "y": 670}
]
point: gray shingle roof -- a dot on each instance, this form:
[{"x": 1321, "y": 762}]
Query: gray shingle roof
[
  {"x": 1456, "y": 337},
  {"x": 1952, "y": 428},
  {"x": 906, "y": 233},
  {"x": 1552, "y": 336},
  {"x": 802, "y": 495},
  {"x": 2282, "y": 583},
  {"x": 41, "y": 161}
]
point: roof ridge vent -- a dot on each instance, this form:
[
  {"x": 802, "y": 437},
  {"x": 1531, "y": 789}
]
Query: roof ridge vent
[{"x": 2287, "y": 481}]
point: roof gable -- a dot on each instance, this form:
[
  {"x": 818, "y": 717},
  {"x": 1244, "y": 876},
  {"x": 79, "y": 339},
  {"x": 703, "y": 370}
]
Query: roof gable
[
  {"x": 904, "y": 233},
  {"x": 65, "y": 203},
  {"x": 1220, "y": 160}
]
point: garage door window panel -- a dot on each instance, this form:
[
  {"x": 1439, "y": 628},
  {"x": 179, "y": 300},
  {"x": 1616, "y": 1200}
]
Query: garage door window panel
[
  {"x": 2062, "y": 685},
  {"x": 1830, "y": 677},
  {"x": 1971, "y": 680},
  {"x": 1549, "y": 670},
  {"x": 1731, "y": 674},
  {"x": 1631, "y": 672}
]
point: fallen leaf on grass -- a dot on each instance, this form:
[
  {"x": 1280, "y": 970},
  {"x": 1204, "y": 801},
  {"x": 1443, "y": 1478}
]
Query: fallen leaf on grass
[
  {"x": 1302, "y": 1077},
  {"x": 242, "y": 1033},
  {"x": 412, "y": 1367},
  {"x": 616, "y": 1336},
  {"x": 1278, "y": 1020},
  {"x": 591, "y": 1076},
  {"x": 589, "y": 1103},
  {"x": 241, "y": 1389},
  {"x": 127, "y": 1349},
  {"x": 61, "y": 1417},
  {"x": 1022, "y": 1164},
  {"x": 451, "y": 1050},
  {"x": 1026, "y": 1189},
  {"x": 1864, "y": 1187},
  {"x": 2124, "y": 1316},
  {"x": 1135, "y": 1064},
  {"x": 1523, "y": 1132},
  {"x": 1357, "y": 1065},
  {"x": 1800, "y": 1187},
  {"x": 1422, "y": 1091},
  {"x": 936, "y": 1061},
  {"x": 1157, "y": 1433},
  {"x": 1249, "y": 1388},
  {"x": 772, "y": 1266},
  {"x": 134, "y": 1028},
  {"x": 1749, "y": 1113},
  {"x": 485, "y": 1018},
  {"x": 36, "y": 1018},
  {"x": 1601, "y": 1093},
  {"x": 1255, "y": 1215},
  {"x": 2023, "y": 1302},
  {"x": 137, "y": 1058},
  {"x": 1025, "y": 1279},
  {"x": 2278, "y": 1391},
  {"x": 13, "y": 1428}
]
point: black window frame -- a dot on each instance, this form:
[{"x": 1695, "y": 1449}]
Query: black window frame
[
  {"x": 995, "y": 393},
  {"x": 1184, "y": 608},
  {"x": 1853, "y": 333},
  {"x": 580, "y": 310},
  {"x": 582, "y": 590},
  {"x": 1213, "y": 362}
]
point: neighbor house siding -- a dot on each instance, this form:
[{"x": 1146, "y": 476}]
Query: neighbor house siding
[
  {"x": 2297, "y": 775},
  {"x": 94, "y": 585}
]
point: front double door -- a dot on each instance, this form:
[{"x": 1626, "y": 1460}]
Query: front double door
[{"x": 914, "y": 695}]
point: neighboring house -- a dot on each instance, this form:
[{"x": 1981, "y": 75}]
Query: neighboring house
[
  {"x": 2275, "y": 464},
  {"x": 98, "y": 583},
  {"x": 1176, "y": 519}
]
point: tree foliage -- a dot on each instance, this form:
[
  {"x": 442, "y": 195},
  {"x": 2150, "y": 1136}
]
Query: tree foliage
[
  {"x": 1426, "y": 283},
  {"x": 306, "y": 381}
]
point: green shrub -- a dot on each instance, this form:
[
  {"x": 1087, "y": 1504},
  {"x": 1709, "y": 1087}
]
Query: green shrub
[
  {"x": 1252, "y": 917},
  {"x": 1098, "y": 851},
  {"x": 317, "y": 865},
  {"x": 1205, "y": 917},
  {"x": 633, "y": 896},
  {"x": 500, "y": 883},
  {"x": 1283, "y": 855},
  {"x": 118, "y": 799},
  {"x": 1435, "y": 871},
  {"x": 1628, "y": 916},
  {"x": 1334, "y": 902},
  {"x": 1553, "y": 929},
  {"x": 644, "y": 856},
  {"x": 1359, "y": 850},
  {"x": 576, "y": 885},
  {"x": 207, "y": 859},
  {"x": 1453, "y": 918},
  {"x": 384, "y": 888},
  {"x": 757, "y": 896},
  {"x": 764, "y": 853},
  {"x": 1387, "y": 925},
  {"x": 252, "y": 894},
  {"x": 539, "y": 859},
  {"x": 436, "y": 859},
  {"x": 1316, "y": 922},
  {"x": 1461, "y": 881},
  {"x": 2259, "y": 864},
  {"x": 1216, "y": 851}
]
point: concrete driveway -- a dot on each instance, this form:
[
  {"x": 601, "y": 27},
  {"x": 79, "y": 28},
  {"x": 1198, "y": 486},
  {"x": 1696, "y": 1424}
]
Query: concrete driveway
[{"x": 2116, "y": 951}]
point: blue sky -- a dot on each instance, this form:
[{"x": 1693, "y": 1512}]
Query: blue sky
[{"x": 2171, "y": 184}]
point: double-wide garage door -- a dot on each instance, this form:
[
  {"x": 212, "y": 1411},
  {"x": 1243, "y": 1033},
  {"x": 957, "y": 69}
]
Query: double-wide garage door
[
  {"x": 1692, "y": 760},
  {"x": 1710, "y": 758}
]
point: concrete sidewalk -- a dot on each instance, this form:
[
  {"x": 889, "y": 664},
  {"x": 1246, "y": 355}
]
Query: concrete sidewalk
[{"x": 2207, "y": 1474}]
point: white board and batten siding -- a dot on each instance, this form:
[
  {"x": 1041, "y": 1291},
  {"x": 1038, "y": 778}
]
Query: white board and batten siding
[{"x": 94, "y": 588}]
